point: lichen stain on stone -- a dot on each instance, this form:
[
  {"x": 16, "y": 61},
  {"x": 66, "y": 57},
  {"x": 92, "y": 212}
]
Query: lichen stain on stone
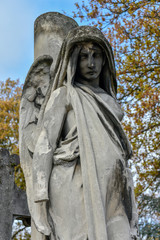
[
  {"x": 121, "y": 185},
  {"x": 41, "y": 177}
]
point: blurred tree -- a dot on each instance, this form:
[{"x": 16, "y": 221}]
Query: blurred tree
[
  {"x": 133, "y": 29},
  {"x": 10, "y": 94}
]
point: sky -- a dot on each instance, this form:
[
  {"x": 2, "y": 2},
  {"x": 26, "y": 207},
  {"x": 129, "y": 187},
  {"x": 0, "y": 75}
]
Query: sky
[{"x": 16, "y": 33}]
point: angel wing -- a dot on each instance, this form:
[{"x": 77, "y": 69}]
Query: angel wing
[{"x": 34, "y": 94}]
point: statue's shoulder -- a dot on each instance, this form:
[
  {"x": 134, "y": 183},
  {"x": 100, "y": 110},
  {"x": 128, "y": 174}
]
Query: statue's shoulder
[
  {"x": 59, "y": 94},
  {"x": 58, "y": 98}
]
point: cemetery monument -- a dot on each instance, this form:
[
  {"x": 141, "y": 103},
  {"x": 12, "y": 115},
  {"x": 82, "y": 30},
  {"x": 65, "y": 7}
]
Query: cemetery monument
[{"x": 73, "y": 149}]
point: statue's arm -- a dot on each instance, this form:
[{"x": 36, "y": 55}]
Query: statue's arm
[
  {"x": 54, "y": 117},
  {"x": 114, "y": 105}
]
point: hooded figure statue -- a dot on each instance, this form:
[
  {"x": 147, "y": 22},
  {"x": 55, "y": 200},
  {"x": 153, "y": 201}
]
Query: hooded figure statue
[{"x": 80, "y": 158}]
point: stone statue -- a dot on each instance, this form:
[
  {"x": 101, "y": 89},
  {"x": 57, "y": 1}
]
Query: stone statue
[{"x": 73, "y": 148}]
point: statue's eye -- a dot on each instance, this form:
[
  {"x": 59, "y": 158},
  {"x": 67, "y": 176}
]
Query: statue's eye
[
  {"x": 83, "y": 56},
  {"x": 97, "y": 55}
]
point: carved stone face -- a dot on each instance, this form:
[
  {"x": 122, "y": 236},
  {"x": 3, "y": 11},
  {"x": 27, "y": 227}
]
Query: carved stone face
[{"x": 90, "y": 63}]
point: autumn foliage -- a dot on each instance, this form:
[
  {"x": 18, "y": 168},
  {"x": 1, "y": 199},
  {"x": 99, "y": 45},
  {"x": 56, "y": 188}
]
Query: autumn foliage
[
  {"x": 10, "y": 94},
  {"x": 133, "y": 29}
]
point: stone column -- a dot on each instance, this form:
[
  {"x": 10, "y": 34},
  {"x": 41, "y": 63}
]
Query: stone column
[{"x": 50, "y": 29}]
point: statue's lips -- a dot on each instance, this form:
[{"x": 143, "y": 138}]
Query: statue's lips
[{"x": 91, "y": 72}]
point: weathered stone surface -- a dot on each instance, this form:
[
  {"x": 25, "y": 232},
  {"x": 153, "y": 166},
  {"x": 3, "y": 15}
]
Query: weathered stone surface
[
  {"x": 19, "y": 203},
  {"x": 13, "y": 201},
  {"x": 75, "y": 162},
  {"x": 50, "y": 29},
  {"x": 6, "y": 187}
]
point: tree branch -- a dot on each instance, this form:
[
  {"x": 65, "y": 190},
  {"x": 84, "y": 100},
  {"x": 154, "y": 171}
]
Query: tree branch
[{"x": 20, "y": 230}]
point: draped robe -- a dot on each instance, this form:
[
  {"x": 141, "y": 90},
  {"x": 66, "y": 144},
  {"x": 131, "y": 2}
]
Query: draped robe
[{"x": 90, "y": 192}]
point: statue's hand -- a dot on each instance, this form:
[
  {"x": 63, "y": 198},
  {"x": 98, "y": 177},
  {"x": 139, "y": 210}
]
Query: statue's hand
[{"x": 42, "y": 223}]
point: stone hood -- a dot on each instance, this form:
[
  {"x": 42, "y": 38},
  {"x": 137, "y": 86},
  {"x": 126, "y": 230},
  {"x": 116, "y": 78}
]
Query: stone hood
[{"x": 84, "y": 34}]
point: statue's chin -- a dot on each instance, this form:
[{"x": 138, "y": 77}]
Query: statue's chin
[{"x": 92, "y": 81}]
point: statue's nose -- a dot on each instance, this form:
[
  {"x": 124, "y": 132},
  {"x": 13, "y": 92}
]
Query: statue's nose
[{"x": 91, "y": 62}]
